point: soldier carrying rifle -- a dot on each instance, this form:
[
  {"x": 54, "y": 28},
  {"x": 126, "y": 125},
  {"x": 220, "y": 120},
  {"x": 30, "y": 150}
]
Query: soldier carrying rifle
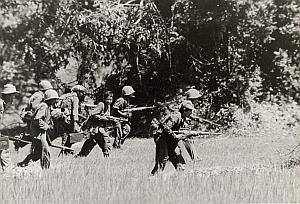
[
  {"x": 98, "y": 124},
  {"x": 162, "y": 129},
  {"x": 70, "y": 107},
  {"x": 27, "y": 113},
  {"x": 8, "y": 95},
  {"x": 39, "y": 130},
  {"x": 121, "y": 104}
]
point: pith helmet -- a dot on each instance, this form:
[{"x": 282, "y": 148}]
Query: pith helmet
[
  {"x": 9, "y": 89},
  {"x": 45, "y": 85},
  {"x": 78, "y": 88},
  {"x": 187, "y": 105},
  {"x": 193, "y": 94},
  {"x": 50, "y": 94},
  {"x": 127, "y": 90}
]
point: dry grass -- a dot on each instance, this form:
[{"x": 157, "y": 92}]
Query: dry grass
[{"x": 228, "y": 170}]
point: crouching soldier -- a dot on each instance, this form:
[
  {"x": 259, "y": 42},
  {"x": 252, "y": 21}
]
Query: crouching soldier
[
  {"x": 166, "y": 140},
  {"x": 8, "y": 95},
  {"x": 192, "y": 95},
  {"x": 99, "y": 127},
  {"x": 39, "y": 128},
  {"x": 122, "y": 129},
  {"x": 70, "y": 107}
]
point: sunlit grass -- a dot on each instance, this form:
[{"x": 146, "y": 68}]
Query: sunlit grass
[{"x": 226, "y": 171}]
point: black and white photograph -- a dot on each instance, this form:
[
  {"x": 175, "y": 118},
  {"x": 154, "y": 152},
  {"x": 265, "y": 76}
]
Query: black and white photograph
[{"x": 149, "y": 101}]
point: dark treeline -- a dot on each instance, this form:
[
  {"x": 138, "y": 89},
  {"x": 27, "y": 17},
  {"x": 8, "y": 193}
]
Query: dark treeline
[{"x": 233, "y": 51}]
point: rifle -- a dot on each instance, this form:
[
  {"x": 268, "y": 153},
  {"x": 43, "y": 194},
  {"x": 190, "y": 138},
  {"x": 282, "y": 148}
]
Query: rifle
[
  {"x": 112, "y": 118},
  {"x": 86, "y": 105},
  {"x": 205, "y": 120},
  {"x": 139, "y": 109},
  {"x": 192, "y": 133},
  {"x": 16, "y": 139}
]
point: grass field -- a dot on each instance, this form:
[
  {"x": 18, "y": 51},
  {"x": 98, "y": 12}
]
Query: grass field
[{"x": 227, "y": 170}]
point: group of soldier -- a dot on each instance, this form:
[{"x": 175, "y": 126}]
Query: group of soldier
[{"x": 49, "y": 116}]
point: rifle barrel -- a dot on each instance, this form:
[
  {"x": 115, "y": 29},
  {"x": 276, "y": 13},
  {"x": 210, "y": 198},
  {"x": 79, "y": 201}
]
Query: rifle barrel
[
  {"x": 61, "y": 147},
  {"x": 29, "y": 142},
  {"x": 18, "y": 140}
]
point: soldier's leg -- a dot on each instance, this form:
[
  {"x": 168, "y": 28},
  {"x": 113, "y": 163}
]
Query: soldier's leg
[
  {"x": 118, "y": 135},
  {"x": 87, "y": 147},
  {"x": 102, "y": 139},
  {"x": 66, "y": 142},
  {"x": 161, "y": 155},
  {"x": 155, "y": 168},
  {"x": 175, "y": 156},
  {"x": 5, "y": 159},
  {"x": 125, "y": 130},
  {"x": 190, "y": 148},
  {"x": 34, "y": 155},
  {"x": 45, "y": 156}
]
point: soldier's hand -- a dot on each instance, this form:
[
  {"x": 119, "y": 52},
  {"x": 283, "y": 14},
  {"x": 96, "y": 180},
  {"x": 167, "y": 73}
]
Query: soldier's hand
[
  {"x": 128, "y": 115},
  {"x": 43, "y": 125},
  {"x": 76, "y": 127},
  {"x": 179, "y": 137},
  {"x": 56, "y": 113},
  {"x": 105, "y": 154}
]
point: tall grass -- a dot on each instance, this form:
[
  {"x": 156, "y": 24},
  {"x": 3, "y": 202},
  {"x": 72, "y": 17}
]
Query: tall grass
[{"x": 231, "y": 170}]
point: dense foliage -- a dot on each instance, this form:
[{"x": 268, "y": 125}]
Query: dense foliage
[{"x": 233, "y": 51}]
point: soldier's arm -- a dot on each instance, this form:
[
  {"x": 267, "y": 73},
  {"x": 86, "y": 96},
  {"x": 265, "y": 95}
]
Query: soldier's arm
[
  {"x": 169, "y": 124},
  {"x": 98, "y": 110},
  {"x": 1, "y": 108},
  {"x": 117, "y": 107},
  {"x": 40, "y": 116},
  {"x": 75, "y": 108}
]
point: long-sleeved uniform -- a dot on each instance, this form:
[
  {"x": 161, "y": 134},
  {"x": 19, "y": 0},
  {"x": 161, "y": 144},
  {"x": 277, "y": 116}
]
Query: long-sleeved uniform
[
  {"x": 99, "y": 133},
  {"x": 5, "y": 160},
  {"x": 123, "y": 129},
  {"x": 167, "y": 142},
  {"x": 41, "y": 123},
  {"x": 70, "y": 109}
]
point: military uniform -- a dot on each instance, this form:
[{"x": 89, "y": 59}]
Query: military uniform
[
  {"x": 40, "y": 124},
  {"x": 70, "y": 108},
  {"x": 189, "y": 143},
  {"x": 121, "y": 129},
  {"x": 167, "y": 142},
  {"x": 99, "y": 131},
  {"x": 5, "y": 160}
]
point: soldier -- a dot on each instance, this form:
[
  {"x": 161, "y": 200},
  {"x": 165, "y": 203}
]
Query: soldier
[
  {"x": 34, "y": 101},
  {"x": 99, "y": 127},
  {"x": 70, "y": 107},
  {"x": 8, "y": 93},
  {"x": 122, "y": 129},
  {"x": 166, "y": 140},
  {"x": 192, "y": 95},
  {"x": 40, "y": 127}
]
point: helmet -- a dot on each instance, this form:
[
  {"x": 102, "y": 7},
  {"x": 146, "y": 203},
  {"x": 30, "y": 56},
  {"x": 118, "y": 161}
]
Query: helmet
[
  {"x": 193, "y": 94},
  {"x": 78, "y": 88},
  {"x": 45, "y": 85},
  {"x": 186, "y": 105},
  {"x": 50, "y": 94},
  {"x": 9, "y": 89},
  {"x": 127, "y": 90}
]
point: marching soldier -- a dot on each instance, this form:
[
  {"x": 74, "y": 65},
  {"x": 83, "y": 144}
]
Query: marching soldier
[
  {"x": 34, "y": 101},
  {"x": 40, "y": 127},
  {"x": 166, "y": 140},
  {"x": 192, "y": 95},
  {"x": 70, "y": 107},
  {"x": 98, "y": 126},
  {"x": 122, "y": 129},
  {"x": 8, "y": 95}
]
